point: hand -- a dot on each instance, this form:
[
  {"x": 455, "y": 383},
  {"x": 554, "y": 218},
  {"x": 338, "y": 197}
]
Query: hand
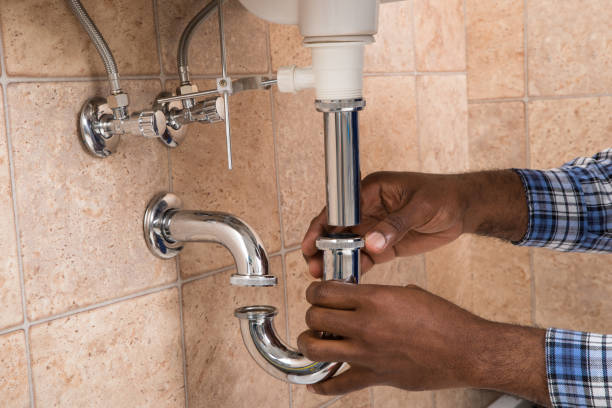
[
  {"x": 409, "y": 213},
  {"x": 411, "y": 339}
]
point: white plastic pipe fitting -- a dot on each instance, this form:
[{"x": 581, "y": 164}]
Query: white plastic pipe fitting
[{"x": 292, "y": 79}]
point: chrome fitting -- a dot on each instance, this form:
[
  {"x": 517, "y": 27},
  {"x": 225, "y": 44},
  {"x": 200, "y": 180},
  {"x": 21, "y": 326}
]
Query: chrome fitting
[
  {"x": 340, "y": 105},
  {"x": 341, "y": 257},
  {"x": 167, "y": 227},
  {"x": 100, "y": 129},
  {"x": 210, "y": 110},
  {"x": 119, "y": 100},
  {"x": 184, "y": 89}
]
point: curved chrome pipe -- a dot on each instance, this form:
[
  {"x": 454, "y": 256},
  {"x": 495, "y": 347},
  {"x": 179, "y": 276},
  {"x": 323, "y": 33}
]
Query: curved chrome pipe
[
  {"x": 183, "y": 48},
  {"x": 341, "y": 260},
  {"x": 275, "y": 357},
  {"x": 167, "y": 227},
  {"x": 105, "y": 53}
]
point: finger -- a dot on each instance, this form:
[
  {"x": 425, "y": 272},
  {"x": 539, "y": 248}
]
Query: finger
[
  {"x": 396, "y": 225},
  {"x": 313, "y": 347},
  {"x": 338, "y": 322},
  {"x": 353, "y": 379},
  {"x": 317, "y": 228},
  {"x": 334, "y": 294},
  {"x": 366, "y": 262},
  {"x": 315, "y": 265}
]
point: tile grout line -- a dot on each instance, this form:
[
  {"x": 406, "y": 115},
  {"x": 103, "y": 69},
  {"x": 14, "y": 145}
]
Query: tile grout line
[
  {"x": 179, "y": 280},
  {"x": 538, "y": 98},
  {"x": 416, "y": 113},
  {"x": 467, "y": 137},
  {"x": 9, "y": 147},
  {"x": 532, "y": 286},
  {"x": 278, "y": 195},
  {"x": 465, "y": 36},
  {"x": 119, "y": 299},
  {"x": 419, "y": 147}
]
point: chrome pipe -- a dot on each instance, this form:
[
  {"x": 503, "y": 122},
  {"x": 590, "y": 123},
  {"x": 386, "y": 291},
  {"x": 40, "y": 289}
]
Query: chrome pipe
[
  {"x": 167, "y": 227},
  {"x": 96, "y": 38},
  {"x": 272, "y": 354},
  {"x": 341, "y": 262},
  {"x": 343, "y": 176},
  {"x": 182, "y": 54},
  {"x": 341, "y": 257}
]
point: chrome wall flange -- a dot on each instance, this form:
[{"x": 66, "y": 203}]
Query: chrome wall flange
[
  {"x": 96, "y": 140},
  {"x": 156, "y": 240}
]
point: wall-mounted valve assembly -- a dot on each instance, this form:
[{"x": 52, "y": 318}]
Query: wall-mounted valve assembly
[{"x": 103, "y": 121}]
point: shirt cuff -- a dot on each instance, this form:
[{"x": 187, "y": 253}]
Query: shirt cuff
[
  {"x": 578, "y": 368},
  {"x": 557, "y": 212}
]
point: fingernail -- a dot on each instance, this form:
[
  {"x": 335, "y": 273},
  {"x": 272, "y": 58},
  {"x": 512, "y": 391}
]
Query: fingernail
[
  {"x": 310, "y": 388},
  {"x": 376, "y": 240}
]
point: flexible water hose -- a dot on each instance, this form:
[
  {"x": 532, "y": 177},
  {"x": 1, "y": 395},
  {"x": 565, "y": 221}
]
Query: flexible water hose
[
  {"x": 105, "y": 53},
  {"x": 183, "y": 48}
]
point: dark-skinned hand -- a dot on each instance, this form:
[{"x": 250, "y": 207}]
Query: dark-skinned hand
[
  {"x": 405, "y": 214},
  {"x": 411, "y": 339}
]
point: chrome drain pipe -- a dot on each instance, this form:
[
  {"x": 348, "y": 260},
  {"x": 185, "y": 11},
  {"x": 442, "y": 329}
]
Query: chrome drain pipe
[{"x": 341, "y": 252}]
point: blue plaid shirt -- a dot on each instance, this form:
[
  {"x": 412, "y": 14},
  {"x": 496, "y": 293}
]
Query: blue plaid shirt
[{"x": 570, "y": 209}]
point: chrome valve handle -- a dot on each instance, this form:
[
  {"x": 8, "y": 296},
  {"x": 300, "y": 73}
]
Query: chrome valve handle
[{"x": 101, "y": 131}]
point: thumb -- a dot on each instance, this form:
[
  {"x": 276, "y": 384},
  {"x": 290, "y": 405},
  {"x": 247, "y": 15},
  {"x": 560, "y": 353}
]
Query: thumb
[{"x": 394, "y": 227}]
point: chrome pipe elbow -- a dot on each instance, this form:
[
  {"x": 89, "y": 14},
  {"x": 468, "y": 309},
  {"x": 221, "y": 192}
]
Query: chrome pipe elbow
[
  {"x": 341, "y": 262},
  {"x": 274, "y": 356},
  {"x": 167, "y": 227}
]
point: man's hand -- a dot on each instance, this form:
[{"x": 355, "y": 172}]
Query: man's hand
[
  {"x": 409, "y": 213},
  {"x": 411, "y": 339}
]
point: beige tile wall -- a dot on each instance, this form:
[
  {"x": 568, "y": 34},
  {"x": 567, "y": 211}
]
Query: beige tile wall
[{"x": 89, "y": 317}]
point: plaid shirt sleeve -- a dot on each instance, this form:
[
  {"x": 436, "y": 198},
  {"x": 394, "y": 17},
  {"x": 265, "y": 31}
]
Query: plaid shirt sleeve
[
  {"x": 570, "y": 208},
  {"x": 579, "y": 368}
]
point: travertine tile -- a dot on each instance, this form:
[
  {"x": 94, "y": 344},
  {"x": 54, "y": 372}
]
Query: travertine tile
[
  {"x": 80, "y": 216},
  {"x": 286, "y": 47},
  {"x": 439, "y": 35},
  {"x": 393, "y": 50},
  {"x": 124, "y": 355},
  {"x": 301, "y": 161},
  {"x": 245, "y": 38},
  {"x": 10, "y": 290},
  {"x": 464, "y": 398},
  {"x": 388, "y": 126},
  {"x": 449, "y": 272},
  {"x": 220, "y": 371},
  {"x": 495, "y": 49},
  {"x": 388, "y": 397},
  {"x": 399, "y": 272},
  {"x": 497, "y": 136},
  {"x": 570, "y": 47},
  {"x": 502, "y": 281},
  {"x": 14, "y": 370},
  {"x": 561, "y": 130},
  {"x": 573, "y": 291},
  {"x": 202, "y": 180},
  {"x": 357, "y": 399},
  {"x": 46, "y": 39},
  {"x": 388, "y": 141},
  {"x": 442, "y": 124}
]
